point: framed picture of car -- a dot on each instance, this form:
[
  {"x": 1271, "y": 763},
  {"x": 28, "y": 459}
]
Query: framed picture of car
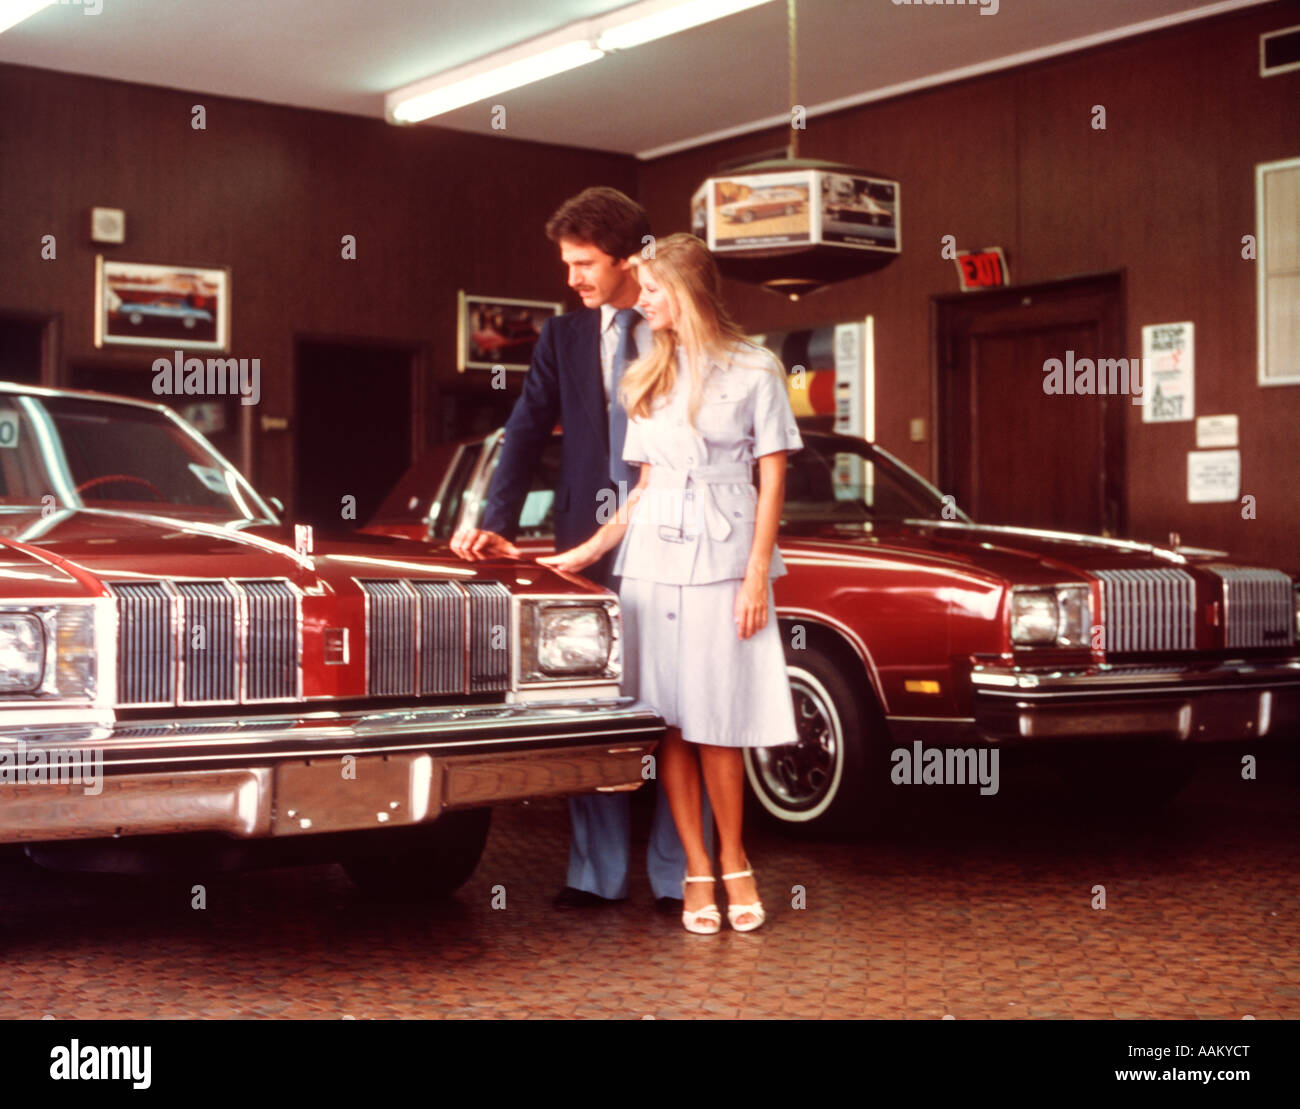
[
  {"x": 143, "y": 304},
  {"x": 495, "y": 331}
]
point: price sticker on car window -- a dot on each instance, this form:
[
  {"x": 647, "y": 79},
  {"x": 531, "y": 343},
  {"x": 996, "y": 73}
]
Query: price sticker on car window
[
  {"x": 8, "y": 428},
  {"x": 211, "y": 477}
]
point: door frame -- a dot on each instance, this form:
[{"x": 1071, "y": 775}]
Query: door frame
[
  {"x": 50, "y": 324},
  {"x": 418, "y": 394},
  {"x": 991, "y": 310}
]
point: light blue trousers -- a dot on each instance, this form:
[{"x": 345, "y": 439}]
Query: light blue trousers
[
  {"x": 600, "y": 849},
  {"x": 601, "y": 843}
]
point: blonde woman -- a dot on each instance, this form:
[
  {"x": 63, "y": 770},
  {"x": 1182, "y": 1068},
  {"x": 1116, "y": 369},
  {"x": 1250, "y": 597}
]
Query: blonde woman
[{"x": 698, "y": 557}]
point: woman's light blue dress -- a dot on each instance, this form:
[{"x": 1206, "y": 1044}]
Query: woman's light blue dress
[{"x": 684, "y": 555}]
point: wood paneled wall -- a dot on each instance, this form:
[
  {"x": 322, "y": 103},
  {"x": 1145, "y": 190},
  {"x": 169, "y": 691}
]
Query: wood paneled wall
[
  {"x": 270, "y": 191},
  {"x": 1163, "y": 194}
]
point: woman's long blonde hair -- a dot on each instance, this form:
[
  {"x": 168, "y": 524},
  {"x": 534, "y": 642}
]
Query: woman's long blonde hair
[{"x": 681, "y": 265}]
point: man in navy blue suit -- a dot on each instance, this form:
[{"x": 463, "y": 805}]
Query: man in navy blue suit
[{"x": 573, "y": 380}]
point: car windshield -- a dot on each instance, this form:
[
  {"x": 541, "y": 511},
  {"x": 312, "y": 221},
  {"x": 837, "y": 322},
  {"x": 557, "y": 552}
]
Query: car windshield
[
  {"x": 841, "y": 480},
  {"x": 86, "y": 453}
]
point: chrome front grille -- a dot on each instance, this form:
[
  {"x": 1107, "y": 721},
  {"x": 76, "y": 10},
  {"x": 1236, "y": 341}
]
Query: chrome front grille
[
  {"x": 432, "y": 637},
  {"x": 442, "y": 636},
  {"x": 272, "y": 650},
  {"x": 1148, "y": 610},
  {"x": 146, "y": 643},
  {"x": 489, "y": 639},
  {"x": 1257, "y": 607},
  {"x": 390, "y": 663},
  {"x": 206, "y": 642},
  {"x": 208, "y": 636}
]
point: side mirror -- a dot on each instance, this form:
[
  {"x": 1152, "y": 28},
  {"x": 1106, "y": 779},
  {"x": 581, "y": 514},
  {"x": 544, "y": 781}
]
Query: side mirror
[{"x": 277, "y": 504}]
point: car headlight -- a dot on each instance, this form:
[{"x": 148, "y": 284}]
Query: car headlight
[
  {"x": 22, "y": 652},
  {"x": 48, "y": 651},
  {"x": 1058, "y": 616},
  {"x": 569, "y": 639}
]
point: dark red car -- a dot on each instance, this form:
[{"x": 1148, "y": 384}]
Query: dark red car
[
  {"x": 905, "y": 622},
  {"x": 183, "y": 678}
]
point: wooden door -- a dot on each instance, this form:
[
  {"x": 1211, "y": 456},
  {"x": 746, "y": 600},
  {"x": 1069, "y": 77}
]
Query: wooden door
[{"x": 1009, "y": 451}]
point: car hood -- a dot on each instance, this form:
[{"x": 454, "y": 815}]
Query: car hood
[
  {"x": 1028, "y": 555},
  {"x": 77, "y": 553}
]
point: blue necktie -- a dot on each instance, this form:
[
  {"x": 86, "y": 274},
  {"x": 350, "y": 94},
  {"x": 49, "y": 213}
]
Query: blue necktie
[{"x": 625, "y": 352}]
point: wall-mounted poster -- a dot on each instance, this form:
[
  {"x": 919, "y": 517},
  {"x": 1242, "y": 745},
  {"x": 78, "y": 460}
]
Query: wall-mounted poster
[
  {"x": 495, "y": 332},
  {"x": 1213, "y": 476},
  {"x": 1169, "y": 373},
  {"x": 1216, "y": 431},
  {"x": 143, "y": 304},
  {"x": 830, "y": 375}
]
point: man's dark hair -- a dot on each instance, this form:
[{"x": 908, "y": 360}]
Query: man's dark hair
[{"x": 611, "y": 220}]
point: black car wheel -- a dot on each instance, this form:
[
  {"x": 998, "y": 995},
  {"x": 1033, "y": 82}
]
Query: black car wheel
[
  {"x": 747, "y": 216},
  {"x": 824, "y": 781},
  {"x": 423, "y": 862}
]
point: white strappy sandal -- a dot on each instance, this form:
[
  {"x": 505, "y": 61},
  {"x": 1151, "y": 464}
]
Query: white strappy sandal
[
  {"x": 734, "y": 912},
  {"x": 703, "y": 922}
]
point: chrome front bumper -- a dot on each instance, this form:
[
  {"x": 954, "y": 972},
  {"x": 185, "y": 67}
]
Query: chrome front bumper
[
  {"x": 312, "y": 772},
  {"x": 1220, "y": 702}
]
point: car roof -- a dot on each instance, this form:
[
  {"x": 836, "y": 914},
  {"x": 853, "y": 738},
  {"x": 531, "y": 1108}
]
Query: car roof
[{"x": 82, "y": 394}]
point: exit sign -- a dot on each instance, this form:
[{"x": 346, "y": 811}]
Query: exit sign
[{"x": 982, "y": 269}]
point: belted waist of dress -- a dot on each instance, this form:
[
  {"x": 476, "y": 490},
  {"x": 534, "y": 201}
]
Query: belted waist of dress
[{"x": 670, "y": 480}]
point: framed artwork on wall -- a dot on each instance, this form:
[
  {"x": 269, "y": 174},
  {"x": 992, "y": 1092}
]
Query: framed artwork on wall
[
  {"x": 149, "y": 305},
  {"x": 495, "y": 331}
]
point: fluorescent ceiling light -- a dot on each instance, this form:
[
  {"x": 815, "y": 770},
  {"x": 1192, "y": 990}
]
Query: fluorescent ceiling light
[
  {"x": 656, "y": 19},
  {"x": 15, "y": 11},
  {"x": 487, "y": 77},
  {"x": 545, "y": 56}
]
